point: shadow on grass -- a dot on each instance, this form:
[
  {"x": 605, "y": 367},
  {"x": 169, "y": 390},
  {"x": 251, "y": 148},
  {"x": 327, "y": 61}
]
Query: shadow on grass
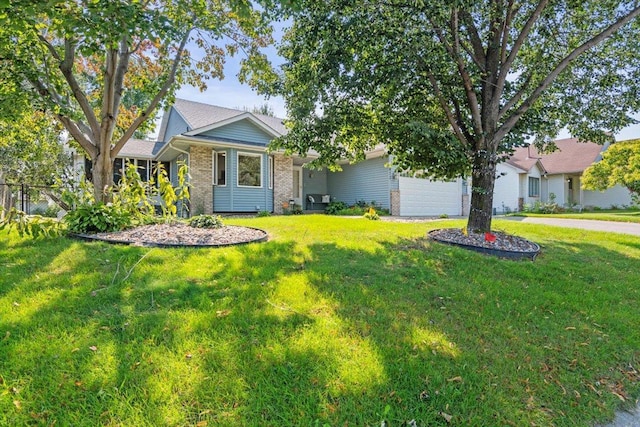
[{"x": 276, "y": 334}]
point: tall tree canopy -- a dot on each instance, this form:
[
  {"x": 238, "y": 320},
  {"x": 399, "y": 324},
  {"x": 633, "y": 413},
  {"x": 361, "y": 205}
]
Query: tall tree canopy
[
  {"x": 103, "y": 66},
  {"x": 452, "y": 86},
  {"x": 620, "y": 164}
]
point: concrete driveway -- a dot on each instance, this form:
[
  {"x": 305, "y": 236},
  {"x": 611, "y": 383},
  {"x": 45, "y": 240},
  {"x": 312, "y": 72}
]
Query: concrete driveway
[{"x": 583, "y": 224}]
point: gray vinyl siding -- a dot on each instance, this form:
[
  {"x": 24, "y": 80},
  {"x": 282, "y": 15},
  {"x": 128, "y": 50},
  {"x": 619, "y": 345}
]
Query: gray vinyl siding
[
  {"x": 368, "y": 180},
  {"x": 314, "y": 182},
  {"x": 175, "y": 125},
  {"x": 232, "y": 198},
  {"x": 243, "y": 130}
]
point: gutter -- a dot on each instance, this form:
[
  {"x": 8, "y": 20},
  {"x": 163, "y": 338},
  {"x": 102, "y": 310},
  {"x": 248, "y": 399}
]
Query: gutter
[{"x": 170, "y": 144}]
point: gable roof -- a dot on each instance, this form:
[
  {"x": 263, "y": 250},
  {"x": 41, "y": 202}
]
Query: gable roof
[
  {"x": 140, "y": 149},
  {"x": 571, "y": 156},
  {"x": 199, "y": 115},
  {"x": 524, "y": 158}
]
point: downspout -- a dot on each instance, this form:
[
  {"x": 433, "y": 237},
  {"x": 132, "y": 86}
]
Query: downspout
[{"x": 183, "y": 152}]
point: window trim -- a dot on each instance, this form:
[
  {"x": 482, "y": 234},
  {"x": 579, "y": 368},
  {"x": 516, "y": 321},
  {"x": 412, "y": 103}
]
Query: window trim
[
  {"x": 216, "y": 165},
  {"x": 536, "y": 180},
  {"x": 247, "y": 154},
  {"x": 271, "y": 172}
]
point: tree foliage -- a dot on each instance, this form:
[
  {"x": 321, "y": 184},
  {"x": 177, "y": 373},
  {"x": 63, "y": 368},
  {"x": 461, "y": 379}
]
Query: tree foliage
[
  {"x": 31, "y": 149},
  {"x": 104, "y": 67},
  {"x": 451, "y": 87},
  {"x": 620, "y": 164}
]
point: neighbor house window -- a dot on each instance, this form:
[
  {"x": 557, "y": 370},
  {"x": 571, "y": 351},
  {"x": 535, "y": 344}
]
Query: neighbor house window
[
  {"x": 249, "y": 170},
  {"x": 534, "y": 187},
  {"x": 220, "y": 168},
  {"x": 143, "y": 169},
  {"x": 118, "y": 170},
  {"x": 270, "y": 172}
]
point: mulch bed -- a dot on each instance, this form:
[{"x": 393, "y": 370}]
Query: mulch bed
[
  {"x": 178, "y": 234},
  {"x": 504, "y": 245}
]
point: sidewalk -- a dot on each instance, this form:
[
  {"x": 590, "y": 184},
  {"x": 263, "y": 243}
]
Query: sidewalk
[{"x": 584, "y": 224}]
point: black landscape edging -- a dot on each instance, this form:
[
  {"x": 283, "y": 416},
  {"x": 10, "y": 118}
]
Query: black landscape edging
[
  {"x": 95, "y": 238},
  {"x": 501, "y": 253}
]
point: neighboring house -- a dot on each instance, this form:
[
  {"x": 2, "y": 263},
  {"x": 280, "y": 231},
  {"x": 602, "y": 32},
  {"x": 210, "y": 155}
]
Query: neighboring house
[
  {"x": 529, "y": 176},
  {"x": 232, "y": 171}
]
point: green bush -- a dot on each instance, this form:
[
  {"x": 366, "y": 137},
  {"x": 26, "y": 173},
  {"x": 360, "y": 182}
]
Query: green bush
[
  {"x": 30, "y": 225},
  {"x": 263, "y": 214},
  {"x": 97, "y": 218},
  {"x": 334, "y": 207},
  {"x": 206, "y": 221}
]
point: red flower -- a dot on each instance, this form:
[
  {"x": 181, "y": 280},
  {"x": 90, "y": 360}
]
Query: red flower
[{"x": 489, "y": 237}]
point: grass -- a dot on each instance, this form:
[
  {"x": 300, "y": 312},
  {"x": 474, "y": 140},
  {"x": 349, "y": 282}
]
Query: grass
[
  {"x": 604, "y": 215},
  {"x": 334, "y": 321}
]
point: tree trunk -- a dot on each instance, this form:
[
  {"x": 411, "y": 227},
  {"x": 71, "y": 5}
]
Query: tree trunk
[
  {"x": 103, "y": 177},
  {"x": 483, "y": 179}
]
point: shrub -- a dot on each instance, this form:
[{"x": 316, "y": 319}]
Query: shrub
[
  {"x": 334, "y": 207},
  {"x": 33, "y": 226},
  {"x": 263, "y": 214},
  {"x": 206, "y": 221},
  {"x": 97, "y": 218},
  {"x": 444, "y": 216}
]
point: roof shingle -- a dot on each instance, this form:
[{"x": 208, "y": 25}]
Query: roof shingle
[
  {"x": 571, "y": 156},
  {"x": 199, "y": 115}
]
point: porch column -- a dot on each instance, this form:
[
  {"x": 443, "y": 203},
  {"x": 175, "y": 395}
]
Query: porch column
[
  {"x": 282, "y": 181},
  {"x": 201, "y": 171}
]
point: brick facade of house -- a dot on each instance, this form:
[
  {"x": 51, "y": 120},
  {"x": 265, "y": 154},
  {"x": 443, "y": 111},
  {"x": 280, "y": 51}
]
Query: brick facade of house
[
  {"x": 283, "y": 181},
  {"x": 201, "y": 172}
]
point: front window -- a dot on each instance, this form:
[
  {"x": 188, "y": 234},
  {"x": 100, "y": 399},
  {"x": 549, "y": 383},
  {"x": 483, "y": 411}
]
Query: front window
[
  {"x": 220, "y": 169},
  {"x": 534, "y": 187},
  {"x": 249, "y": 170}
]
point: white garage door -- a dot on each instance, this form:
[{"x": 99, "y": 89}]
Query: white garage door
[{"x": 421, "y": 197}]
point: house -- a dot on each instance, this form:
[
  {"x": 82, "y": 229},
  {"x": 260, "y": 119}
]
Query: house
[
  {"x": 233, "y": 171},
  {"x": 529, "y": 176}
]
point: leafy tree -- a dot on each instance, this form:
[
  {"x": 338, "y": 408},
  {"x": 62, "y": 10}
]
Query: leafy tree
[
  {"x": 31, "y": 150},
  {"x": 620, "y": 164},
  {"x": 451, "y": 87},
  {"x": 103, "y": 67}
]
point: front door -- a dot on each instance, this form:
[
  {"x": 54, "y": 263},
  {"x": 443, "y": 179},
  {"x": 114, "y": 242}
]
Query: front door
[{"x": 297, "y": 185}]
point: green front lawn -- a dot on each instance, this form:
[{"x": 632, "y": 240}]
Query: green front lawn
[
  {"x": 334, "y": 321},
  {"x": 605, "y": 215}
]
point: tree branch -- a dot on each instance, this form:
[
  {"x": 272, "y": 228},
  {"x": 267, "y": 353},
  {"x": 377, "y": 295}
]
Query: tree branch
[
  {"x": 506, "y": 65},
  {"x": 513, "y": 119},
  {"x": 156, "y": 100},
  {"x": 107, "y": 116},
  {"x": 78, "y": 135},
  {"x": 445, "y": 107},
  {"x": 472, "y": 99},
  {"x": 124, "y": 55},
  {"x": 478, "y": 54},
  {"x": 66, "y": 67}
]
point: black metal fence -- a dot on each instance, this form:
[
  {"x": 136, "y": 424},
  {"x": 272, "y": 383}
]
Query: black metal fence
[{"x": 31, "y": 199}]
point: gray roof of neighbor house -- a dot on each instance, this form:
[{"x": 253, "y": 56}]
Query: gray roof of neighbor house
[
  {"x": 140, "y": 149},
  {"x": 571, "y": 156},
  {"x": 199, "y": 115}
]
